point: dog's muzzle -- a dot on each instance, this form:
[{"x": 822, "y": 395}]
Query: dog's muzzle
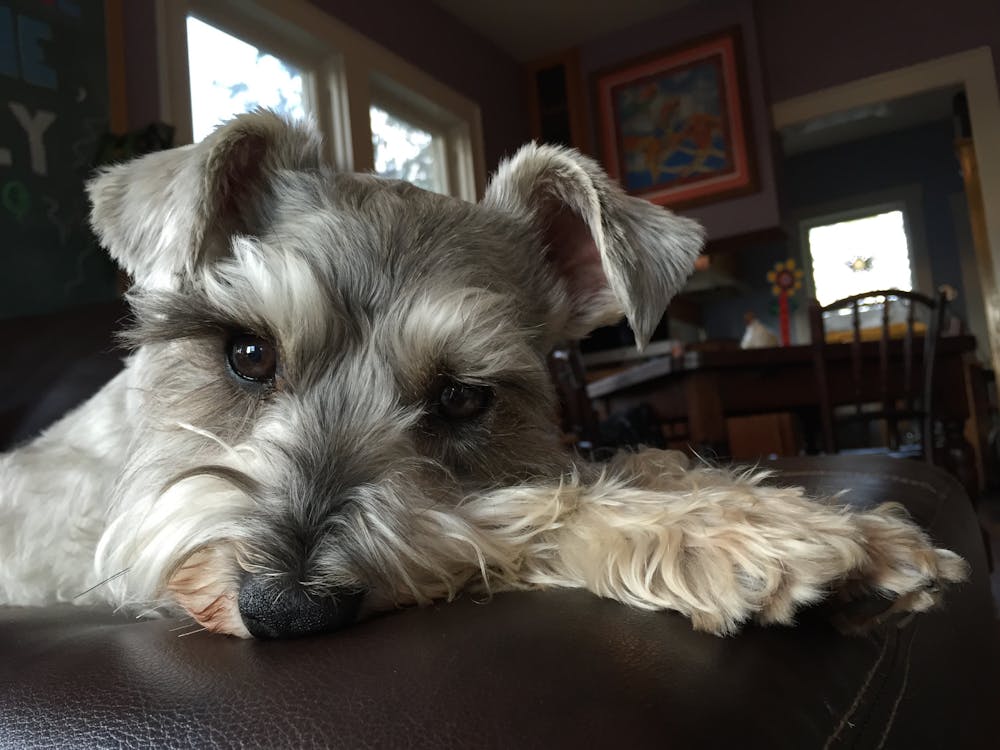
[{"x": 273, "y": 609}]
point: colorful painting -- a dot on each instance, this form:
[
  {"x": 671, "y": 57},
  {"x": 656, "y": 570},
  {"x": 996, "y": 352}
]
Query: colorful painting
[{"x": 673, "y": 126}]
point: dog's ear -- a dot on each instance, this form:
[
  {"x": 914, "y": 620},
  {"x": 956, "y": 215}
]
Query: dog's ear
[
  {"x": 617, "y": 254},
  {"x": 163, "y": 214}
]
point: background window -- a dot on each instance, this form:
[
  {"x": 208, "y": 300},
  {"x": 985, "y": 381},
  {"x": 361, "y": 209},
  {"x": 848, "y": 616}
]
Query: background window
[
  {"x": 405, "y": 151},
  {"x": 229, "y": 76},
  {"x": 860, "y": 255},
  {"x": 223, "y": 58}
]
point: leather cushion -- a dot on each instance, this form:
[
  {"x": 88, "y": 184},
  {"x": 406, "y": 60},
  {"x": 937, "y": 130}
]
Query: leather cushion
[{"x": 535, "y": 669}]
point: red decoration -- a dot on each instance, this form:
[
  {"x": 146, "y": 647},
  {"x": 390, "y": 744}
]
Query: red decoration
[{"x": 785, "y": 280}]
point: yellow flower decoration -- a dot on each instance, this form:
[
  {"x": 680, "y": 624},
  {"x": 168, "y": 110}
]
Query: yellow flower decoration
[{"x": 785, "y": 278}]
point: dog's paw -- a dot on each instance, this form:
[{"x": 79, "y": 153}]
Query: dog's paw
[{"x": 904, "y": 573}]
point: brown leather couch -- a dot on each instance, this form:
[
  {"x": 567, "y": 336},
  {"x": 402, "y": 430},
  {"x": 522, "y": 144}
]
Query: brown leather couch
[{"x": 544, "y": 669}]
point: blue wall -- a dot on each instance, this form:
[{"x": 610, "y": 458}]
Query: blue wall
[{"x": 921, "y": 156}]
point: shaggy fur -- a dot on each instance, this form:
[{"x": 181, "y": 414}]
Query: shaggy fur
[{"x": 338, "y": 486}]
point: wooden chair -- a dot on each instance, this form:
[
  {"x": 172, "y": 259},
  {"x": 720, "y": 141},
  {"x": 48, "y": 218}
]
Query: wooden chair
[
  {"x": 579, "y": 422},
  {"x": 902, "y": 389},
  {"x": 581, "y": 427}
]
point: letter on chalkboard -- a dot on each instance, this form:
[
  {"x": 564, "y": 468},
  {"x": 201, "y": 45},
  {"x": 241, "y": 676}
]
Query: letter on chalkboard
[
  {"x": 33, "y": 68},
  {"x": 34, "y": 128}
]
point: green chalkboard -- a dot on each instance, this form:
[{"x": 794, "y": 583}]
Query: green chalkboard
[{"x": 54, "y": 108}]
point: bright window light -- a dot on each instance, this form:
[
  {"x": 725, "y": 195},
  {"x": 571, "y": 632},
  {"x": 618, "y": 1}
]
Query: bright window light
[
  {"x": 404, "y": 151},
  {"x": 229, "y": 76},
  {"x": 851, "y": 257}
]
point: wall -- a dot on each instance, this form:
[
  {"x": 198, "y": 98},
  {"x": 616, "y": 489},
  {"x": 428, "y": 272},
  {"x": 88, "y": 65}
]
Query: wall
[
  {"x": 922, "y": 156},
  {"x": 813, "y": 44},
  {"x": 416, "y": 30},
  {"x": 795, "y": 47},
  {"x": 725, "y": 218},
  {"x": 142, "y": 87}
]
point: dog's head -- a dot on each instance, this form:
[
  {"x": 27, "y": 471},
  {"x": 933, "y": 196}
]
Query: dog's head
[{"x": 328, "y": 364}]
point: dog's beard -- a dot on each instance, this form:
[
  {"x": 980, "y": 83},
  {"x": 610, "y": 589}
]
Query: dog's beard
[
  {"x": 175, "y": 542},
  {"x": 405, "y": 541}
]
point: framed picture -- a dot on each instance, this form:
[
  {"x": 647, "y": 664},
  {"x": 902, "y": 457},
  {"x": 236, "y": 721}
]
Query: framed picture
[{"x": 674, "y": 127}]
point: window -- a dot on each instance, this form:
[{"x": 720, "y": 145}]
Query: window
[
  {"x": 405, "y": 151},
  {"x": 375, "y": 110},
  {"x": 229, "y": 76},
  {"x": 860, "y": 254}
]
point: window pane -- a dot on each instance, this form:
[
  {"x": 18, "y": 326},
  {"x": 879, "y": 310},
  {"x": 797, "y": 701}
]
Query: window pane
[
  {"x": 229, "y": 76},
  {"x": 405, "y": 152},
  {"x": 851, "y": 257}
]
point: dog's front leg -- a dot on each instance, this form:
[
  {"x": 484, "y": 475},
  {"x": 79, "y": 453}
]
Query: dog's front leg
[{"x": 717, "y": 546}]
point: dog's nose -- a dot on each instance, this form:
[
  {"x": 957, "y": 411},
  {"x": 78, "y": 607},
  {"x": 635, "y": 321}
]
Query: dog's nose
[{"x": 272, "y": 609}]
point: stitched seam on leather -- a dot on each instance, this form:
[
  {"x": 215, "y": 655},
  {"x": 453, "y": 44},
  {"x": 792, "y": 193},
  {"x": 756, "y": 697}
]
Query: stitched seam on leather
[
  {"x": 947, "y": 494},
  {"x": 857, "y": 698},
  {"x": 875, "y": 696},
  {"x": 902, "y": 688}
]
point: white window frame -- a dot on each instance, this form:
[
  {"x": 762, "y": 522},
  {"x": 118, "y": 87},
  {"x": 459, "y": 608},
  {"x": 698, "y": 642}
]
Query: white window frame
[
  {"x": 344, "y": 71},
  {"x": 450, "y": 133}
]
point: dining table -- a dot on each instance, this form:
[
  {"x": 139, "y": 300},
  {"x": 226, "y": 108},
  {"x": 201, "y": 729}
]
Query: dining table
[{"x": 703, "y": 388}]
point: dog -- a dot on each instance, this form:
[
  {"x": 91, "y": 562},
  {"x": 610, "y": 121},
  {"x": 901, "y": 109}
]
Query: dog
[{"x": 337, "y": 403}]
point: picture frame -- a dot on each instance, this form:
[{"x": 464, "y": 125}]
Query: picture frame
[{"x": 674, "y": 126}]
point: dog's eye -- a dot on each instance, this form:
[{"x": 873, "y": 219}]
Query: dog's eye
[
  {"x": 253, "y": 358},
  {"x": 458, "y": 401}
]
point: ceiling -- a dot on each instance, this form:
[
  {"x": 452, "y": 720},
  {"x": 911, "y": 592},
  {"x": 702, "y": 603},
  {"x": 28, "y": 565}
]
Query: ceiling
[{"x": 529, "y": 29}]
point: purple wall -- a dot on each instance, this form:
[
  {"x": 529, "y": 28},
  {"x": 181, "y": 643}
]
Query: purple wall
[
  {"x": 142, "y": 93},
  {"x": 725, "y": 218},
  {"x": 416, "y": 30},
  {"x": 813, "y": 44}
]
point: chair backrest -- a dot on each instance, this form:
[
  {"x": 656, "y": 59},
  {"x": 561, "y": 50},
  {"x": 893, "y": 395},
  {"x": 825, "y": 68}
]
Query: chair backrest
[
  {"x": 576, "y": 410},
  {"x": 903, "y": 387}
]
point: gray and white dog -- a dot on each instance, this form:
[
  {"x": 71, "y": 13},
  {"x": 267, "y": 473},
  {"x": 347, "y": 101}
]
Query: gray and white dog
[{"x": 338, "y": 403}]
